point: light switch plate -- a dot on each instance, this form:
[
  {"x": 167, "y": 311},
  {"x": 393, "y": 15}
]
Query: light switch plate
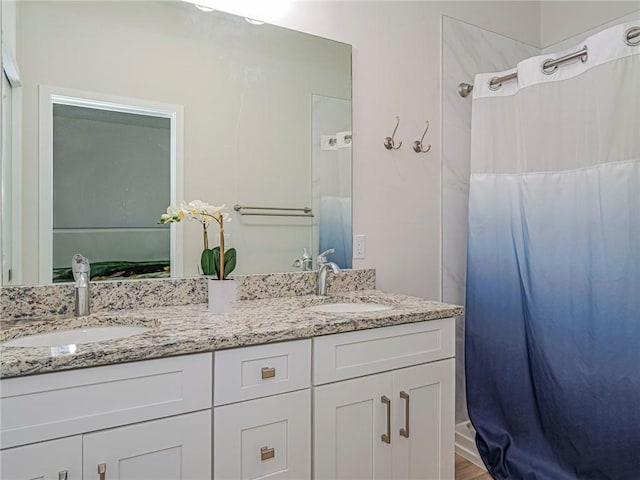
[{"x": 359, "y": 246}]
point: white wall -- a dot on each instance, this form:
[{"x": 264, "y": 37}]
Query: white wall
[
  {"x": 560, "y": 20},
  {"x": 396, "y": 71}
]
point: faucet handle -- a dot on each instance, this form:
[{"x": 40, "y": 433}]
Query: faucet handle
[
  {"x": 322, "y": 258},
  {"x": 79, "y": 264},
  {"x": 329, "y": 251}
]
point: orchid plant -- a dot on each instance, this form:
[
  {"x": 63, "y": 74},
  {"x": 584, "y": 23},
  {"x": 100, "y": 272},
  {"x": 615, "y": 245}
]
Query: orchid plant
[{"x": 214, "y": 261}]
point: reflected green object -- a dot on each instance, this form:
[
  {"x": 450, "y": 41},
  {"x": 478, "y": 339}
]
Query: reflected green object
[{"x": 118, "y": 269}]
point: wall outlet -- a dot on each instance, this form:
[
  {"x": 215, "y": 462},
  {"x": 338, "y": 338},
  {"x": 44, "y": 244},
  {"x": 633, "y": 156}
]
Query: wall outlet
[
  {"x": 359, "y": 246},
  {"x": 328, "y": 142}
]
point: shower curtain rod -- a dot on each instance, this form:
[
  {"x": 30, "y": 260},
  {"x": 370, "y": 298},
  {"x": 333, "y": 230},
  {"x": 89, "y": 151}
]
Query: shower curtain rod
[{"x": 550, "y": 65}]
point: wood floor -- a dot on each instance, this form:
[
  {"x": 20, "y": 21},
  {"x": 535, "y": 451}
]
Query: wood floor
[{"x": 465, "y": 470}]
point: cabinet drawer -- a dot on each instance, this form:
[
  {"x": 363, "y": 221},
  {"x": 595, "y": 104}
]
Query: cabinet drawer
[
  {"x": 52, "y": 405},
  {"x": 264, "y": 438},
  {"x": 354, "y": 354},
  {"x": 260, "y": 371}
]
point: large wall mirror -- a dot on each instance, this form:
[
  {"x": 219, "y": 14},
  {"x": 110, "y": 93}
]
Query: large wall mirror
[{"x": 114, "y": 110}]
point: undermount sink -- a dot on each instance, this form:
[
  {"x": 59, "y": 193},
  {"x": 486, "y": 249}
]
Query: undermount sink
[
  {"x": 349, "y": 307},
  {"x": 75, "y": 336}
]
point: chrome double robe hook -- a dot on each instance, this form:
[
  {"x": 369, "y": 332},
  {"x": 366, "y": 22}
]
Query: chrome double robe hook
[
  {"x": 417, "y": 145},
  {"x": 389, "y": 142}
]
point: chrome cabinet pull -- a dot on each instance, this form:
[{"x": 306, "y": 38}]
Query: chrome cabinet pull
[
  {"x": 266, "y": 453},
  {"x": 268, "y": 372},
  {"x": 404, "y": 432},
  {"x": 386, "y": 437},
  {"x": 63, "y": 475},
  {"x": 102, "y": 471}
]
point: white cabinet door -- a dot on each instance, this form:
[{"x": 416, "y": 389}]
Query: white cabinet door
[
  {"x": 264, "y": 438},
  {"x": 423, "y": 437},
  {"x": 43, "y": 461},
  {"x": 349, "y": 421},
  {"x": 172, "y": 448}
]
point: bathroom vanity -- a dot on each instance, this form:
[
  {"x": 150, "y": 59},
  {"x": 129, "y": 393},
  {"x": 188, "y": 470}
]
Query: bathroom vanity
[{"x": 276, "y": 389}]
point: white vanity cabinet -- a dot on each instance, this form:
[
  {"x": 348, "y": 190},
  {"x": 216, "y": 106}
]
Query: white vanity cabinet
[
  {"x": 53, "y": 460},
  {"x": 393, "y": 425},
  {"x": 110, "y": 418},
  {"x": 368, "y": 404},
  {"x": 262, "y": 398}
]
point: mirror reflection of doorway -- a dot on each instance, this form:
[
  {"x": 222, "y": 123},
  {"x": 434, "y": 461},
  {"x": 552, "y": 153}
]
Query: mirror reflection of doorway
[
  {"x": 10, "y": 172},
  {"x": 111, "y": 178}
]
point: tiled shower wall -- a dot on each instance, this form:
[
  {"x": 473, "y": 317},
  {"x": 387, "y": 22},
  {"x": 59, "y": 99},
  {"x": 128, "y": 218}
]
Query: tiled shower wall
[
  {"x": 467, "y": 50},
  {"x": 576, "y": 39}
]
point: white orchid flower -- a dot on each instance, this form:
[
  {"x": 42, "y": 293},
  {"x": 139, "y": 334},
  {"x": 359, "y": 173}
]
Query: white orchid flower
[
  {"x": 212, "y": 209},
  {"x": 196, "y": 210},
  {"x": 198, "y": 206},
  {"x": 174, "y": 214},
  {"x": 204, "y": 214}
]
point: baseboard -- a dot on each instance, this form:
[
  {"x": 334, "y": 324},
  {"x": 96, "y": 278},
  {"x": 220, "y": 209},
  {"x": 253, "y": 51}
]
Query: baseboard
[{"x": 466, "y": 445}]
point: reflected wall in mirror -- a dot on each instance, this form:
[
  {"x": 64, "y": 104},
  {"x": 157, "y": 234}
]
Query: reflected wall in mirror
[{"x": 247, "y": 134}]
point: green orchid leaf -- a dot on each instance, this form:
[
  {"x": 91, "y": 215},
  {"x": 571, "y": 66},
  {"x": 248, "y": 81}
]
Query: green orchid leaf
[
  {"x": 229, "y": 261},
  {"x": 230, "y": 256},
  {"x": 216, "y": 262},
  {"x": 207, "y": 262}
]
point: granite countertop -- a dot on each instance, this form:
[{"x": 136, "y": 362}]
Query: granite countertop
[{"x": 192, "y": 329}]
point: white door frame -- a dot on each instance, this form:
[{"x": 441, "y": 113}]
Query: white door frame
[
  {"x": 12, "y": 73},
  {"x": 54, "y": 95}
]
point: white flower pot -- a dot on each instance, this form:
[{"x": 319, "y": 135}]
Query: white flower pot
[{"x": 222, "y": 295}]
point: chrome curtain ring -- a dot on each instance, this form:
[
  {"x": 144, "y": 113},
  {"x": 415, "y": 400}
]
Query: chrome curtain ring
[
  {"x": 550, "y": 65},
  {"x": 493, "y": 85},
  {"x": 549, "y": 70},
  {"x": 585, "y": 55},
  {"x": 630, "y": 35}
]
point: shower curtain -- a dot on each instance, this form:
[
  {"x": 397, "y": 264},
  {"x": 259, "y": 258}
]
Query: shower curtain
[{"x": 553, "y": 282}]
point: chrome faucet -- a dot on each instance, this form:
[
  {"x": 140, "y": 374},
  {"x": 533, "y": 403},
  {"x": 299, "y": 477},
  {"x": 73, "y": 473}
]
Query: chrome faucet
[
  {"x": 81, "y": 274},
  {"x": 323, "y": 267}
]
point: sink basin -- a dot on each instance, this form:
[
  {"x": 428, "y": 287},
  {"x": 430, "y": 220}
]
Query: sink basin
[
  {"x": 349, "y": 307},
  {"x": 75, "y": 336}
]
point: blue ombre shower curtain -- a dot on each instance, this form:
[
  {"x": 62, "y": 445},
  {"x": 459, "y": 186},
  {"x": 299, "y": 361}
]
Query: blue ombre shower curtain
[{"x": 553, "y": 281}]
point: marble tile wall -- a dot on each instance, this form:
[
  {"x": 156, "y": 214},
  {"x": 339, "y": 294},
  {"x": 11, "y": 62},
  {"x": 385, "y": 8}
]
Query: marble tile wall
[
  {"x": 467, "y": 50},
  {"x": 573, "y": 41},
  {"x": 48, "y": 300}
]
